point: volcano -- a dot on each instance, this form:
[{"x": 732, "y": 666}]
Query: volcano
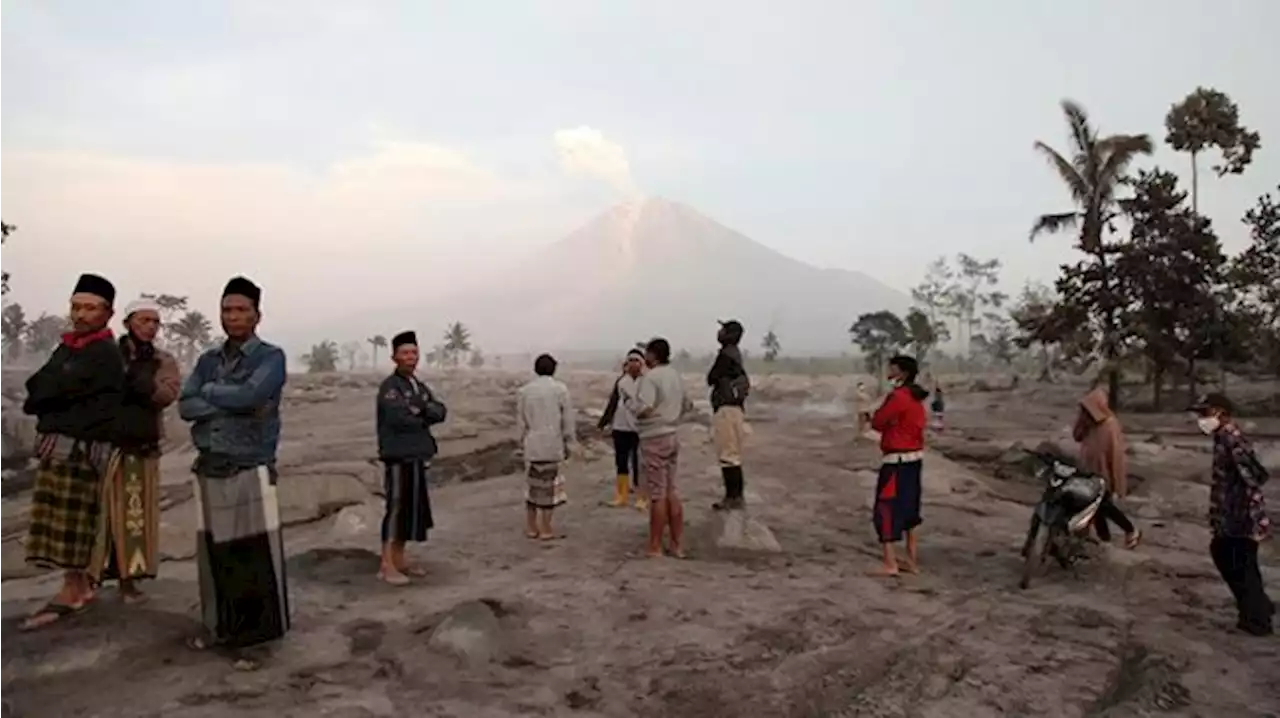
[{"x": 660, "y": 268}]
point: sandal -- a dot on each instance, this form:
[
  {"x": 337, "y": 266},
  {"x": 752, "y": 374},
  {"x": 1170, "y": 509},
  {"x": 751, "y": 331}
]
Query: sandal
[
  {"x": 393, "y": 579},
  {"x": 56, "y": 611},
  {"x": 1132, "y": 540}
]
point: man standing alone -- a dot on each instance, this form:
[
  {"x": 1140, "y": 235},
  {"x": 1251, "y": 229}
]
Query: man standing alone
[
  {"x": 1237, "y": 514},
  {"x": 232, "y": 400},
  {"x": 76, "y": 398},
  {"x": 545, "y": 423},
  {"x": 729, "y": 387},
  {"x": 406, "y": 411}
]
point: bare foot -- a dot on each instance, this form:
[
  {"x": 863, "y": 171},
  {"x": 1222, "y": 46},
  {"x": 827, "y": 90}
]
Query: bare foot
[
  {"x": 909, "y": 567},
  {"x": 677, "y": 552},
  {"x": 392, "y": 577},
  {"x": 551, "y": 536},
  {"x": 883, "y": 572},
  {"x": 653, "y": 552},
  {"x": 413, "y": 571}
]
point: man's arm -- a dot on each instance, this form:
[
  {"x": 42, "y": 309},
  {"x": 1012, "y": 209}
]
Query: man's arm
[
  {"x": 522, "y": 426},
  {"x": 888, "y": 413},
  {"x": 433, "y": 410},
  {"x": 568, "y": 419},
  {"x": 168, "y": 381},
  {"x": 611, "y": 408},
  {"x": 645, "y": 399},
  {"x": 1250, "y": 470},
  {"x": 192, "y": 406},
  {"x": 721, "y": 368},
  {"x": 265, "y": 381},
  {"x": 398, "y": 412}
]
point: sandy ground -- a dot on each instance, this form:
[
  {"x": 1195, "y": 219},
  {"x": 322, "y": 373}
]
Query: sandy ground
[{"x": 584, "y": 627}]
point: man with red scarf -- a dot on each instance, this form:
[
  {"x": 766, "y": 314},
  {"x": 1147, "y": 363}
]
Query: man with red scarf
[{"x": 76, "y": 397}]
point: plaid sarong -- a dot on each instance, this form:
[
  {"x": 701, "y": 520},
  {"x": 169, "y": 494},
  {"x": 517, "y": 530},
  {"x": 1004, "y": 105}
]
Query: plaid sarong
[
  {"x": 129, "y": 521},
  {"x": 545, "y": 485},
  {"x": 408, "y": 515},
  {"x": 244, "y": 596},
  {"x": 65, "y": 502}
]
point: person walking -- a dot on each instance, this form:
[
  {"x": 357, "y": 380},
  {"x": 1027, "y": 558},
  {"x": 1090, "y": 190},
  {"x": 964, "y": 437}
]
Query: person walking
[
  {"x": 1237, "y": 514},
  {"x": 1102, "y": 452}
]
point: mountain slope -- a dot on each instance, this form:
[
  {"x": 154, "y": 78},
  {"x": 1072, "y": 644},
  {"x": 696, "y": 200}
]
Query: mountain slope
[{"x": 661, "y": 268}]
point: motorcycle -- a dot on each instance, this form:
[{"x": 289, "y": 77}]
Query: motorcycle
[{"x": 1061, "y": 521}]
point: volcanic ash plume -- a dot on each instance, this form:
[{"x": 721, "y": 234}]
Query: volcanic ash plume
[{"x": 584, "y": 150}]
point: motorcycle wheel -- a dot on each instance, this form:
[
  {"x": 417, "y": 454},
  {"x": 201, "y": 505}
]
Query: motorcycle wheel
[{"x": 1033, "y": 563}]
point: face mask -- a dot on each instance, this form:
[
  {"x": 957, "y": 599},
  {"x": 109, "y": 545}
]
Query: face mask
[{"x": 1208, "y": 424}]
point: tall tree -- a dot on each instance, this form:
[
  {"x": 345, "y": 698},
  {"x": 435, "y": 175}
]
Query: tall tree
[
  {"x": 1093, "y": 170},
  {"x": 972, "y": 294},
  {"x": 477, "y": 359},
  {"x": 6, "y": 229},
  {"x": 1208, "y": 119},
  {"x": 1255, "y": 277},
  {"x": 878, "y": 335},
  {"x": 457, "y": 339},
  {"x": 771, "y": 345},
  {"x": 44, "y": 333},
  {"x": 194, "y": 332},
  {"x": 14, "y": 329},
  {"x": 377, "y": 342},
  {"x": 933, "y": 293},
  {"x": 1035, "y": 324}
]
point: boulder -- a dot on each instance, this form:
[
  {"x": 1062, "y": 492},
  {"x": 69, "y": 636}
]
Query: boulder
[
  {"x": 738, "y": 530},
  {"x": 470, "y": 632},
  {"x": 306, "y": 497}
]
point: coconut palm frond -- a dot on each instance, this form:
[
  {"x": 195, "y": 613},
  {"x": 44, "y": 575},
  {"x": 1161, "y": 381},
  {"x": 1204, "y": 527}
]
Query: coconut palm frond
[
  {"x": 1070, "y": 175},
  {"x": 1054, "y": 223}
]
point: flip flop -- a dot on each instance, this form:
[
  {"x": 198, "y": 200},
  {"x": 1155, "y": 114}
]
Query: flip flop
[
  {"x": 198, "y": 643},
  {"x": 58, "y": 611},
  {"x": 531, "y": 534},
  {"x": 552, "y": 537},
  {"x": 393, "y": 579}
]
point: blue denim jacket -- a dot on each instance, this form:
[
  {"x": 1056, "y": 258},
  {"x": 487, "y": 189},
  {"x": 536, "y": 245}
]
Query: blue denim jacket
[{"x": 232, "y": 400}]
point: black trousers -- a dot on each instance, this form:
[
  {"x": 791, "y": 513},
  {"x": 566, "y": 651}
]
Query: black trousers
[
  {"x": 626, "y": 455},
  {"x": 1237, "y": 561},
  {"x": 1109, "y": 512}
]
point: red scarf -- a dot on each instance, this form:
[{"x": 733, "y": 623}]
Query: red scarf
[{"x": 80, "y": 341}]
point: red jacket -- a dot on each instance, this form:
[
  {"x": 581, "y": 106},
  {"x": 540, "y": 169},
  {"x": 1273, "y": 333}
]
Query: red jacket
[{"x": 901, "y": 420}]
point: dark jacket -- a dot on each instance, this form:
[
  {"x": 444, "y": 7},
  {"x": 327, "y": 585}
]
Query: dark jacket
[
  {"x": 406, "y": 411},
  {"x": 77, "y": 392},
  {"x": 728, "y": 379},
  {"x": 151, "y": 382},
  {"x": 232, "y": 399}
]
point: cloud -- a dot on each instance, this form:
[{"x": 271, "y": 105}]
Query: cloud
[{"x": 584, "y": 150}]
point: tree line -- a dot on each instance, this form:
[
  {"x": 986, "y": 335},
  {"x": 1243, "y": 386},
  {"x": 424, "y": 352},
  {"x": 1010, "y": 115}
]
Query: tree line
[{"x": 454, "y": 348}]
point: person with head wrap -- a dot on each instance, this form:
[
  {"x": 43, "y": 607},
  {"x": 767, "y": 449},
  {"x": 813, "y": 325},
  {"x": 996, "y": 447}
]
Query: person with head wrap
[
  {"x": 406, "y": 410},
  {"x": 729, "y": 388},
  {"x": 620, "y": 420},
  {"x": 76, "y": 398},
  {"x": 547, "y": 426},
  {"x": 232, "y": 399},
  {"x": 901, "y": 422},
  {"x": 127, "y": 548}
]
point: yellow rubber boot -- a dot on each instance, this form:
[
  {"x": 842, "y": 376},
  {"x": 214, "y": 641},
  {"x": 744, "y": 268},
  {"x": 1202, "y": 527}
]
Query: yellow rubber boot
[{"x": 622, "y": 491}]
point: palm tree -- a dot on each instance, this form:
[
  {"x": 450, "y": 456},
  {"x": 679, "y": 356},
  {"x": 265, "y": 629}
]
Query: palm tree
[
  {"x": 195, "y": 332},
  {"x": 377, "y": 341},
  {"x": 1096, "y": 168},
  {"x": 457, "y": 339}
]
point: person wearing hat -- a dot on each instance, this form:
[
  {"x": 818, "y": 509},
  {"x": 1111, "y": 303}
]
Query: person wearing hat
[
  {"x": 1237, "y": 513},
  {"x": 75, "y": 398},
  {"x": 620, "y": 419},
  {"x": 232, "y": 399},
  {"x": 729, "y": 388},
  {"x": 406, "y": 411},
  {"x": 127, "y": 548}
]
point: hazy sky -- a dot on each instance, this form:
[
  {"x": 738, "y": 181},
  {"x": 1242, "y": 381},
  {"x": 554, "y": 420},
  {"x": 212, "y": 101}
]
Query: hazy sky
[{"x": 345, "y": 154}]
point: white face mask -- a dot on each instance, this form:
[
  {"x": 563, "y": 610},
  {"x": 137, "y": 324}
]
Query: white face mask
[{"x": 1208, "y": 424}]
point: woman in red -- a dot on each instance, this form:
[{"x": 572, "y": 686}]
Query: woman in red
[{"x": 901, "y": 422}]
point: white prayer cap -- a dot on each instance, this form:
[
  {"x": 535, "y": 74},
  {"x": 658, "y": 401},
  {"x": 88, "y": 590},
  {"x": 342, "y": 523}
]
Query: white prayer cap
[{"x": 141, "y": 304}]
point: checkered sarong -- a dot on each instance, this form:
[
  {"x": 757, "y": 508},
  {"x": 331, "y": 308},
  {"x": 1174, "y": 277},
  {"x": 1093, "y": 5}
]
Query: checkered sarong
[{"x": 65, "y": 502}]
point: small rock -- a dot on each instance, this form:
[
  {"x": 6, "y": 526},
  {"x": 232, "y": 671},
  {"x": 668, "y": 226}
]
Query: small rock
[
  {"x": 471, "y": 632},
  {"x": 743, "y": 532}
]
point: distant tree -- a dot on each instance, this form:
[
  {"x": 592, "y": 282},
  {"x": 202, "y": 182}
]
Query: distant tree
[
  {"x": 923, "y": 333},
  {"x": 934, "y": 294},
  {"x": 171, "y": 308},
  {"x": 377, "y": 343},
  {"x": 1255, "y": 278},
  {"x": 457, "y": 340},
  {"x": 6, "y": 229},
  {"x": 45, "y": 332},
  {"x": 997, "y": 343},
  {"x": 972, "y": 294},
  {"x": 1035, "y": 324},
  {"x": 350, "y": 353},
  {"x": 771, "y": 345},
  {"x": 1206, "y": 119},
  {"x": 1093, "y": 171},
  {"x": 14, "y": 329},
  {"x": 194, "y": 332},
  {"x": 323, "y": 357},
  {"x": 878, "y": 335},
  {"x": 438, "y": 356},
  {"x": 477, "y": 359}
]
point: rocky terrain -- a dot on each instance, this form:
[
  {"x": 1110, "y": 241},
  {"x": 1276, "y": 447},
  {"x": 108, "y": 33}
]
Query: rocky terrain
[{"x": 585, "y": 627}]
